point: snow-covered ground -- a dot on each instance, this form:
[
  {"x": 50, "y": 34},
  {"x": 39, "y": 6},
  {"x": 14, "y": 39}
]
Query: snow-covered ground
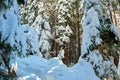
[{"x": 37, "y": 68}]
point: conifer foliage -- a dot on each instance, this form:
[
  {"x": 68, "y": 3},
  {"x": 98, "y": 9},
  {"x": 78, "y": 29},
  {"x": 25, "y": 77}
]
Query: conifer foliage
[
  {"x": 15, "y": 39},
  {"x": 32, "y": 14},
  {"x": 100, "y": 37},
  {"x": 8, "y": 64}
]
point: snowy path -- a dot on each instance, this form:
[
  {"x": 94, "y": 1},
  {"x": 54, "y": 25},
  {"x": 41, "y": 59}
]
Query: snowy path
[{"x": 36, "y": 68}]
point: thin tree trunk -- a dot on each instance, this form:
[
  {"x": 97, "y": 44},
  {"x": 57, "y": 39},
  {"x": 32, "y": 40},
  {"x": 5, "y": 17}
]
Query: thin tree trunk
[
  {"x": 110, "y": 11},
  {"x": 78, "y": 26},
  {"x": 115, "y": 17}
]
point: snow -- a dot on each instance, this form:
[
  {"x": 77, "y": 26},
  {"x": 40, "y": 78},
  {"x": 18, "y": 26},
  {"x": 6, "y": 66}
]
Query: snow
[
  {"x": 39, "y": 20},
  {"x": 63, "y": 10},
  {"x": 45, "y": 46},
  {"x": 91, "y": 38},
  {"x": 68, "y": 30},
  {"x": 118, "y": 7},
  {"x": 28, "y": 41},
  {"x": 13, "y": 63},
  {"x": 16, "y": 34},
  {"x": 44, "y": 34},
  {"x": 90, "y": 22},
  {"x": 61, "y": 53},
  {"x": 118, "y": 71},
  {"x": 9, "y": 22},
  {"x": 62, "y": 34},
  {"x": 36, "y": 68},
  {"x": 7, "y": 28},
  {"x": 115, "y": 30}
]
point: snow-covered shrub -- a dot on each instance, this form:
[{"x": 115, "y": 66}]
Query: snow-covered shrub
[{"x": 26, "y": 41}]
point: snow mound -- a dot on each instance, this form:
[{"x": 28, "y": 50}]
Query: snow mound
[{"x": 37, "y": 68}]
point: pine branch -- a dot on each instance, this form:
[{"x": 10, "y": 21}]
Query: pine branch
[{"x": 3, "y": 72}]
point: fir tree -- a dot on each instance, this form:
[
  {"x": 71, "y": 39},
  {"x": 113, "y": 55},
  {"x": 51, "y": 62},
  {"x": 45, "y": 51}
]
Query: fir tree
[
  {"x": 8, "y": 65},
  {"x": 15, "y": 39},
  {"x": 33, "y": 15},
  {"x": 100, "y": 41}
]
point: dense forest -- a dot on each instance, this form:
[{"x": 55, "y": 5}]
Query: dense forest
[{"x": 57, "y": 39}]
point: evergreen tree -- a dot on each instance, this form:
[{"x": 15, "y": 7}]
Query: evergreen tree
[
  {"x": 100, "y": 41},
  {"x": 15, "y": 39},
  {"x": 44, "y": 39},
  {"x": 64, "y": 13},
  {"x": 8, "y": 13},
  {"x": 33, "y": 15},
  {"x": 111, "y": 8},
  {"x": 61, "y": 34}
]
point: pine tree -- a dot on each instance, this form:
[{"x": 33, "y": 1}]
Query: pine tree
[
  {"x": 44, "y": 39},
  {"x": 62, "y": 30},
  {"x": 8, "y": 10},
  {"x": 68, "y": 12},
  {"x": 33, "y": 15},
  {"x": 100, "y": 41},
  {"x": 15, "y": 39},
  {"x": 63, "y": 15},
  {"x": 111, "y": 8}
]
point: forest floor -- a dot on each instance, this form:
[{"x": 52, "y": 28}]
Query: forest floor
[{"x": 37, "y": 68}]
